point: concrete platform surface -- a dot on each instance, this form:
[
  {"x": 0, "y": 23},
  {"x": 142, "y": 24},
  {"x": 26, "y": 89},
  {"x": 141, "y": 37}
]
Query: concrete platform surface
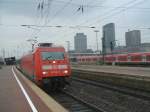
[
  {"x": 132, "y": 77},
  {"x": 11, "y": 96},
  {"x": 134, "y": 71},
  {"x": 16, "y": 98}
]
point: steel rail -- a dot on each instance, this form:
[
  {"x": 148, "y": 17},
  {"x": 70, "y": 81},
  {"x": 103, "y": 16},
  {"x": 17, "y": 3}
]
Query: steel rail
[
  {"x": 73, "y": 103},
  {"x": 125, "y": 90}
]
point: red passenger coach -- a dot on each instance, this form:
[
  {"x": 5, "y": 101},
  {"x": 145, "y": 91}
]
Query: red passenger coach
[
  {"x": 140, "y": 58},
  {"x": 48, "y": 65}
]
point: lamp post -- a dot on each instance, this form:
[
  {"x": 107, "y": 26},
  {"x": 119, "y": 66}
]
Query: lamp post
[
  {"x": 112, "y": 45},
  {"x": 3, "y": 52},
  {"x": 103, "y": 49},
  {"x": 33, "y": 42}
]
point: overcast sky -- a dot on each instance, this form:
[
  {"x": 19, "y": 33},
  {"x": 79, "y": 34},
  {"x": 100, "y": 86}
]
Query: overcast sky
[{"x": 126, "y": 14}]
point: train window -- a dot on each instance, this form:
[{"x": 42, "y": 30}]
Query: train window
[
  {"x": 136, "y": 58},
  {"x": 95, "y": 59},
  {"x": 73, "y": 59},
  {"x": 83, "y": 59},
  {"x": 52, "y": 55},
  {"x": 144, "y": 57},
  {"x": 148, "y": 58},
  {"x": 122, "y": 58},
  {"x": 88, "y": 59}
]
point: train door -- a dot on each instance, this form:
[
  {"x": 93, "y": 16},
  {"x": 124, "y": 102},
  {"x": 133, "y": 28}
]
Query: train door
[
  {"x": 148, "y": 58},
  {"x": 116, "y": 60},
  {"x": 143, "y": 58},
  {"x": 129, "y": 58}
]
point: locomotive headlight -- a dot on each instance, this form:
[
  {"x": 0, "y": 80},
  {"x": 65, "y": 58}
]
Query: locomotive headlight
[
  {"x": 54, "y": 61},
  {"x": 66, "y": 71},
  {"x": 44, "y": 73}
]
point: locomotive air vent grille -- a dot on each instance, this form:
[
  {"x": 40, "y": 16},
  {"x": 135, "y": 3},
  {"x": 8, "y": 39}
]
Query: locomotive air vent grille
[{"x": 45, "y": 44}]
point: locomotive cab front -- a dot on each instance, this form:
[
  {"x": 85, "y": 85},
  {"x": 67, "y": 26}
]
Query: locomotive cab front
[
  {"x": 54, "y": 64},
  {"x": 54, "y": 67},
  {"x": 47, "y": 65}
]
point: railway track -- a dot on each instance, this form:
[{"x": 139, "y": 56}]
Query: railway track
[
  {"x": 102, "y": 100},
  {"x": 72, "y": 103},
  {"x": 124, "y": 90},
  {"x": 111, "y": 98}
]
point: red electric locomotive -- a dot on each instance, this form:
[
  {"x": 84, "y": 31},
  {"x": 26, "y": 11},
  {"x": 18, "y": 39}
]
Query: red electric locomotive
[{"x": 47, "y": 65}]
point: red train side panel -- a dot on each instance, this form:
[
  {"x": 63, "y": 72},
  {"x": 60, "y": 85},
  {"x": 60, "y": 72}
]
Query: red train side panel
[{"x": 131, "y": 58}]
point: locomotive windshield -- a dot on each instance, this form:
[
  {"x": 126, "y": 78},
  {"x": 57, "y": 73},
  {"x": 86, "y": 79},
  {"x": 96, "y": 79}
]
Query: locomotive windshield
[{"x": 52, "y": 55}]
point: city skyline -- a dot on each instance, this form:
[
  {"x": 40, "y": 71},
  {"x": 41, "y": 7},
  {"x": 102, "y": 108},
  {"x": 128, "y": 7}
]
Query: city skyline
[{"x": 125, "y": 14}]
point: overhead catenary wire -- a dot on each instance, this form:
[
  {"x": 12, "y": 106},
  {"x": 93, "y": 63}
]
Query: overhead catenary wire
[
  {"x": 83, "y": 2},
  {"x": 38, "y": 19},
  {"x": 99, "y": 6},
  {"x": 47, "y": 19},
  {"x": 59, "y": 11},
  {"x": 37, "y": 27},
  {"x": 106, "y": 17},
  {"x": 43, "y": 10},
  {"x": 85, "y": 5},
  {"x": 79, "y": 6},
  {"x": 116, "y": 13},
  {"x": 114, "y": 9},
  {"x": 49, "y": 3},
  {"x": 39, "y": 14},
  {"x": 120, "y": 6},
  {"x": 111, "y": 11}
]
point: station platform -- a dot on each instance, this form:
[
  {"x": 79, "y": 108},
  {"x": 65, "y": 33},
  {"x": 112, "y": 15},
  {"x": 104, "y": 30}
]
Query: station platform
[
  {"x": 132, "y": 71},
  {"x": 132, "y": 77},
  {"x": 18, "y": 94}
]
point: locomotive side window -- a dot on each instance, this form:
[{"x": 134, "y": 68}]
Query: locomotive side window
[{"x": 52, "y": 55}]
